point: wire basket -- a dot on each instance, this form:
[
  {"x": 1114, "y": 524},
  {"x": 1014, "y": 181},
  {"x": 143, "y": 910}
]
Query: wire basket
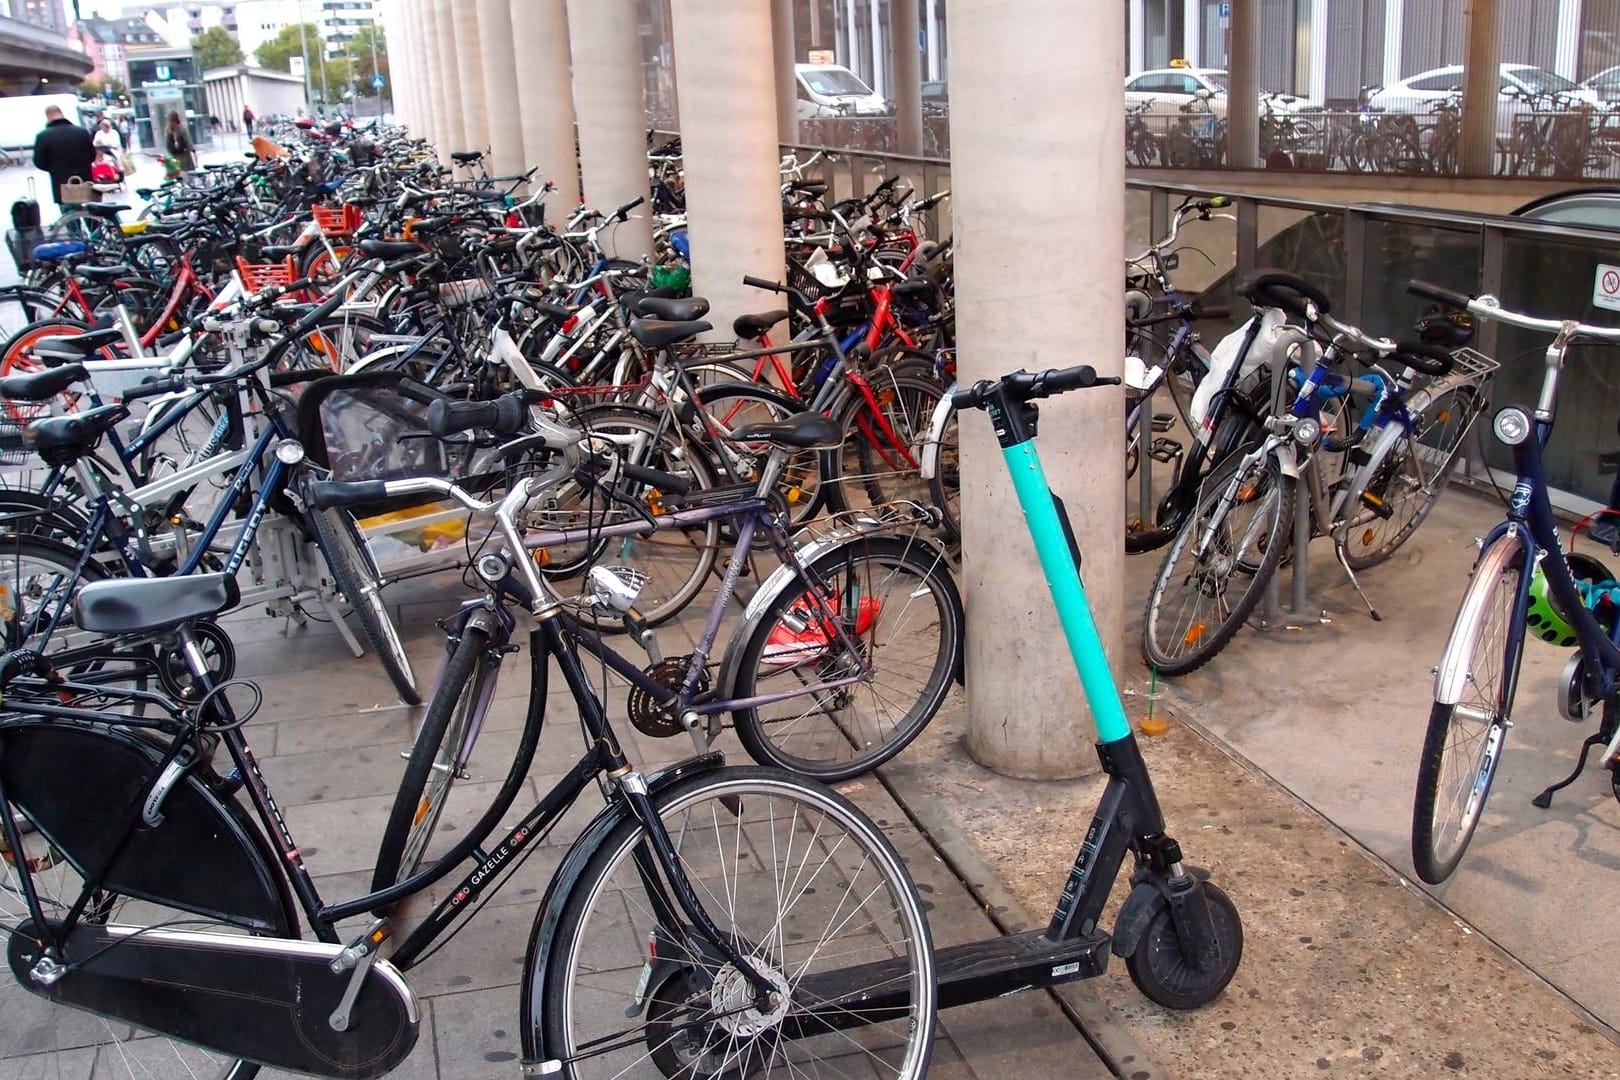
[
  {"x": 256, "y": 277},
  {"x": 337, "y": 221},
  {"x": 14, "y": 446}
]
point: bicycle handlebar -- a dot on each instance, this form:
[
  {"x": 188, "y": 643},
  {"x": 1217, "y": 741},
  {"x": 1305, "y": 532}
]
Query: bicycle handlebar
[
  {"x": 1489, "y": 307},
  {"x": 1027, "y": 386}
]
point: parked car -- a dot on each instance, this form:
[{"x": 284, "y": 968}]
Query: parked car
[
  {"x": 1605, "y": 84},
  {"x": 1166, "y": 90},
  {"x": 1519, "y": 86},
  {"x": 834, "y": 90}
]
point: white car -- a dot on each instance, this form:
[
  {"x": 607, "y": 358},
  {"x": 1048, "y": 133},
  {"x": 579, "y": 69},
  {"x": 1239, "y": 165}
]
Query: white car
[
  {"x": 1519, "y": 86},
  {"x": 1166, "y": 90},
  {"x": 834, "y": 90}
]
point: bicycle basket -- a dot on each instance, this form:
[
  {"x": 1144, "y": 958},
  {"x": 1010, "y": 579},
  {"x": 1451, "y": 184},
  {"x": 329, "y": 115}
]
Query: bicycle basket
[
  {"x": 30, "y": 247},
  {"x": 14, "y": 447},
  {"x": 256, "y": 277},
  {"x": 336, "y": 220}
]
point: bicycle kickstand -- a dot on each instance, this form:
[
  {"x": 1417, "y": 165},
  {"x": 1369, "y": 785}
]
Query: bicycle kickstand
[{"x": 1344, "y": 563}]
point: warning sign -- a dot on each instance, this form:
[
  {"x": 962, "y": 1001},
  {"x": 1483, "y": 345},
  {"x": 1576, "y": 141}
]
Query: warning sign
[{"x": 1606, "y": 287}]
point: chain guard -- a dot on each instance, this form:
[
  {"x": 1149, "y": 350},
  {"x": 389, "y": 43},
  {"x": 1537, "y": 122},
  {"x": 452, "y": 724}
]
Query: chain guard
[{"x": 647, "y": 714}]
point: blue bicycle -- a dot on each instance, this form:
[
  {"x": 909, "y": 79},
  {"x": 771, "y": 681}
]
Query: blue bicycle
[{"x": 1478, "y": 673}]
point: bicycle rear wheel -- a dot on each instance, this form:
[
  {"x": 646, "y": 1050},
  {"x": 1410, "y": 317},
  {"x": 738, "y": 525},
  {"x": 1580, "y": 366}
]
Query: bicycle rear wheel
[
  {"x": 879, "y": 460},
  {"x": 802, "y": 885},
  {"x": 899, "y": 606},
  {"x": 357, "y": 579},
  {"x": 1404, "y": 487},
  {"x": 1463, "y": 745},
  {"x": 1217, "y": 568}
]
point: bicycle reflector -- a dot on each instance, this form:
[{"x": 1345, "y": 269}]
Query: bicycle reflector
[{"x": 1512, "y": 425}]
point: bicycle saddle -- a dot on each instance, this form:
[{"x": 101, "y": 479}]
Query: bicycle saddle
[
  {"x": 71, "y": 347},
  {"x": 110, "y": 211},
  {"x": 802, "y": 431},
  {"x": 280, "y": 251},
  {"x": 104, "y": 273},
  {"x": 62, "y": 439},
  {"x": 756, "y": 325},
  {"x": 660, "y": 307},
  {"x": 658, "y": 334},
  {"x": 465, "y": 156},
  {"x": 1281, "y": 289},
  {"x": 389, "y": 249},
  {"x": 41, "y": 385},
  {"x": 136, "y": 605}
]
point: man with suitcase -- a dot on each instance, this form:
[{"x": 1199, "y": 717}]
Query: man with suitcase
[{"x": 63, "y": 149}]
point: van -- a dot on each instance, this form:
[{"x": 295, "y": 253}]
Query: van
[{"x": 834, "y": 90}]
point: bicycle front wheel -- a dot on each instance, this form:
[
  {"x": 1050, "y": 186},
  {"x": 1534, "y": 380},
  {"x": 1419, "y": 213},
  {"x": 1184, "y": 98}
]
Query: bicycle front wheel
[
  {"x": 1404, "y": 487},
  {"x": 357, "y": 579},
  {"x": 802, "y": 885},
  {"x": 879, "y": 460},
  {"x": 851, "y": 700},
  {"x": 1217, "y": 568},
  {"x": 1464, "y": 742}
]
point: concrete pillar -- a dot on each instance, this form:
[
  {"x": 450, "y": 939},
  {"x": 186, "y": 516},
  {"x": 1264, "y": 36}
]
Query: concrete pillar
[
  {"x": 1317, "y": 90},
  {"x": 787, "y": 86},
  {"x": 851, "y": 40},
  {"x": 422, "y": 89},
  {"x": 431, "y": 56},
  {"x": 503, "y": 106},
  {"x": 1032, "y": 193},
  {"x": 470, "y": 60},
  {"x": 540, "y": 37},
  {"x": 935, "y": 41},
  {"x": 728, "y": 142},
  {"x": 880, "y": 76},
  {"x": 1394, "y": 34},
  {"x": 1481, "y": 87},
  {"x": 1567, "y": 50},
  {"x": 608, "y": 107},
  {"x": 453, "y": 125},
  {"x": 1243, "y": 91},
  {"x": 905, "y": 74},
  {"x": 1192, "y": 31},
  {"x": 1136, "y": 35}
]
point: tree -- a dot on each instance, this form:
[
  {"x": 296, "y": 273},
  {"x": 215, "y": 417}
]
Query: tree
[
  {"x": 215, "y": 48},
  {"x": 359, "y": 51},
  {"x": 279, "y": 51}
]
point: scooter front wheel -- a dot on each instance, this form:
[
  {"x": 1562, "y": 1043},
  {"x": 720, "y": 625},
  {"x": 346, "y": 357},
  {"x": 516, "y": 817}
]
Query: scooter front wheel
[{"x": 1161, "y": 970}]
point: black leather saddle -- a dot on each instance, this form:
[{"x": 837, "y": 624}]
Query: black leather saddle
[
  {"x": 756, "y": 325},
  {"x": 801, "y": 431},
  {"x": 137, "y": 605},
  {"x": 659, "y": 334}
]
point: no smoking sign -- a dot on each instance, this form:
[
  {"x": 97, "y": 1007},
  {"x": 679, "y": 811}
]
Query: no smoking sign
[{"x": 1606, "y": 287}]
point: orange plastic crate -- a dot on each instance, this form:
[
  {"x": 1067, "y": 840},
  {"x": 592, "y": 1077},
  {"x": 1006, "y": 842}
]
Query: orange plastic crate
[
  {"x": 337, "y": 220},
  {"x": 259, "y": 276}
]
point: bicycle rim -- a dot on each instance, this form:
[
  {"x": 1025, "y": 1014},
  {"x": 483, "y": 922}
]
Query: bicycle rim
[{"x": 802, "y": 884}]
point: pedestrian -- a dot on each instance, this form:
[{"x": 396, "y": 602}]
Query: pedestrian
[
  {"x": 63, "y": 149},
  {"x": 107, "y": 138},
  {"x": 247, "y": 121},
  {"x": 178, "y": 141}
]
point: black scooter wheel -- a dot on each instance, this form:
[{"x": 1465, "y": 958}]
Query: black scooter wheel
[{"x": 1161, "y": 971}]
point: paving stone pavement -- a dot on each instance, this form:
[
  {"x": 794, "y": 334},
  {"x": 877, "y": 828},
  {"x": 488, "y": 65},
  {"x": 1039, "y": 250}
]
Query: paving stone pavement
[{"x": 331, "y": 736}]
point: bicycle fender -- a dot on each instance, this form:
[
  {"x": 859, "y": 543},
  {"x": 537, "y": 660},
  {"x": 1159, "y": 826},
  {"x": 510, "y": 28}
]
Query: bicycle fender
[
  {"x": 560, "y": 892},
  {"x": 1136, "y": 914},
  {"x": 929, "y": 465},
  {"x": 1498, "y": 550},
  {"x": 778, "y": 581},
  {"x": 1288, "y": 458}
]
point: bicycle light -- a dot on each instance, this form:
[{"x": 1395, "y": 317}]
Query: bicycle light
[
  {"x": 493, "y": 567},
  {"x": 289, "y": 451},
  {"x": 1307, "y": 431},
  {"x": 1512, "y": 425}
]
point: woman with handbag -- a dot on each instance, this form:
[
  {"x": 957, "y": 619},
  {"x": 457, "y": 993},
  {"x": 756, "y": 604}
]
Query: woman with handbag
[{"x": 178, "y": 142}]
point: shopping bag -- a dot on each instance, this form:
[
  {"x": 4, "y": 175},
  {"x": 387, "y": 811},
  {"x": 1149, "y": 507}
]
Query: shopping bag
[
  {"x": 128, "y": 163},
  {"x": 76, "y": 191}
]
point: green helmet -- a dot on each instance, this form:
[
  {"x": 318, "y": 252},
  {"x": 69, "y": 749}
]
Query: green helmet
[{"x": 1543, "y": 618}]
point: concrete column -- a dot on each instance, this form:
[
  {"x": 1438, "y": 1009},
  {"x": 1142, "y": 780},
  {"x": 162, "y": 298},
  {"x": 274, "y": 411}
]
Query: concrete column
[
  {"x": 1243, "y": 92},
  {"x": 1038, "y": 192},
  {"x": 422, "y": 89},
  {"x": 1136, "y": 36},
  {"x": 470, "y": 60},
  {"x": 1317, "y": 90},
  {"x": 728, "y": 141},
  {"x": 433, "y": 64},
  {"x": 1192, "y": 31},
  {"x": 851, "y": 39},
  {"x": 1394, "y": 33},
  {"x": 1481, "y": 87},
  {"x": 504, "y": 107},
  {"x": 452, "y": 123},
  {"x": 905, "y": 74},
  {"x": 880, "y": 76},
  {"x": 608, "y": 106},
  {"x": 935, "y": 41},
  {"x": 540, "y": 37},
  {"x": 787, "y": 87},
  {"x": 1567, "y": 51}
]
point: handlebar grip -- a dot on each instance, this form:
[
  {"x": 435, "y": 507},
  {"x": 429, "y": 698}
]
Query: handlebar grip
[
  {"x": 327, "y": 493},
  {"x": 1434, "y": 292},
  {"x": 624, "y": 211},
  {"x": 761, "y": 283},
  {"x": 503, "y": 416},
  {"x": 663, "y": 481},
  {"x": 1214, "y": 311},
  {"x": 1059, "y": 380},
  {"x": 153, "y": 389},
  {"x": 322, "y": 310},
  {"x": 1423, "y": 357},
  {"x": 280, "y": 379}
]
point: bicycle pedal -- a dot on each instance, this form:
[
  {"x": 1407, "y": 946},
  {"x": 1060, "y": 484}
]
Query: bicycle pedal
[
  {"x": 1165, "y": 451},
  {"x": 1163, "y": 421}
]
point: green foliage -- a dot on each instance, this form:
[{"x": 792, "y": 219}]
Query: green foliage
[
  {"x": 279, "y": 51},
  {"x": 360, "y": 55},
  {"x": 215, "y": 48}
]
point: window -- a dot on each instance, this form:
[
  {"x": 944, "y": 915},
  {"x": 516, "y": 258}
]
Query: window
[
  {"x": 1155, "y": 84},
  {"x": 1446, "y": 81},
  {"x": 835, "y": 82},
  {"x": 1538, "y": 81}
]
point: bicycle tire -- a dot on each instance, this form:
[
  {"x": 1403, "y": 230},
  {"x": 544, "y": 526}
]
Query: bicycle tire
[
  {"x": 356, "y": 578},
  {"x": 417, "y": 808},
  {"x": 907, "y": 401},
  {"x": 1497, "y": 578},
  {"x": 786, "y": 640},
  {"x": 773, "y": 927},
  {"x": 1402, "y": 487},
  {"x": 1200, "y": 643},
  {"x": 945, "y": 486}
]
